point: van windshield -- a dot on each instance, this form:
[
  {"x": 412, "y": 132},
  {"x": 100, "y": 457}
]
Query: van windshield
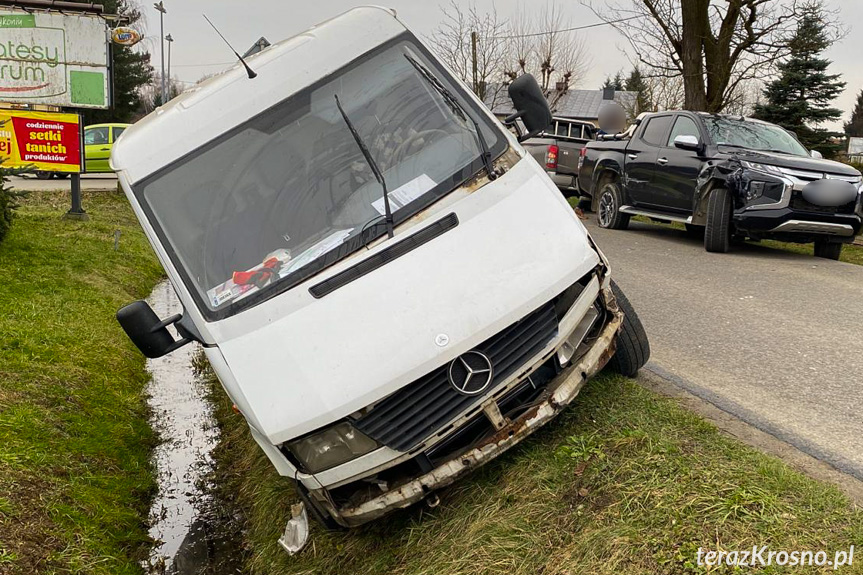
[{"x": 288, "y": 193}]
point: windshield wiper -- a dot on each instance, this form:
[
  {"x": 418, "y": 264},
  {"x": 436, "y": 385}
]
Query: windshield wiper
[
  {"x": 458, "y": 110},
  {"x": 388, "y": 214}
]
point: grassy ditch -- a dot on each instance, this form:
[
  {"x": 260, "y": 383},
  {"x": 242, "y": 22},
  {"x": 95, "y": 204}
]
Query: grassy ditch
[
  {"x": 624, "y": 482},
  {"x": 75, "y": 476}
]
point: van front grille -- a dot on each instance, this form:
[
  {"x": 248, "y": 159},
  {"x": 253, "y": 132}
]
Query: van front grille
[{"x": 408, "y": 416}]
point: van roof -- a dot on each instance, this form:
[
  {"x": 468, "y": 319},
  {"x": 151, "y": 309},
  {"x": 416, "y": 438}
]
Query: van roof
[{"x": 209, "y": 109}]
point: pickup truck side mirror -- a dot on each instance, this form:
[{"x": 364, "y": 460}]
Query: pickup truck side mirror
[
  {"x": 530, "y": 105},
  {"x": 147, "y": 331},
  {"x": 816, "y": 154},
  {"x": 687, "y": 142}
]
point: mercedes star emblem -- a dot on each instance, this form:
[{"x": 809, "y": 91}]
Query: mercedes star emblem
[{"x": 470, "y": 373}]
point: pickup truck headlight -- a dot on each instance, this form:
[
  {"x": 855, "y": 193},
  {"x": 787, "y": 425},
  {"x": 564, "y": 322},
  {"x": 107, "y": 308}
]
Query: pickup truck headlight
[
  {"x": 330, "y": 447},
  {"x": 761, "y": 167}
]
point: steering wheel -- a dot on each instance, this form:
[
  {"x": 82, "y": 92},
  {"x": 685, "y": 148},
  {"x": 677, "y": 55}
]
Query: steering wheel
[{"x": 405, "y": 146}]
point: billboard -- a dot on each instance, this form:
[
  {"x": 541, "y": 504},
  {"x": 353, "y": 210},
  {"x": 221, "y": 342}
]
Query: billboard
[
  {"x": 53, "y": 58},
  {"x": 43, "y": 140}
]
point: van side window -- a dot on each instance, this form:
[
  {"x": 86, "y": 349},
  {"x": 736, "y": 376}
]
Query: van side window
[
  {"x": 683, "y": 126},
  {"x": 96, "y": 136},
  {"x": 655, "y": 130}
]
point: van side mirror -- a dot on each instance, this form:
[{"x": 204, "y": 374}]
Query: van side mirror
[
  {"x": 147, "y": 331},
  {"x": 530, "y": 105},
  {"x": 687, "y": 142},
  {"x": 816, "y": 154}
]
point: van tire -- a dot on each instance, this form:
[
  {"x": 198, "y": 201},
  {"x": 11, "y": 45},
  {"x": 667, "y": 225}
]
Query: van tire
[
  {"x": 717, "y": 233},
  {"x": 610, "y": 198},
  {"x": 319, "y": 514},
  {"x": 827, "y": 249},
  {"x": 633, "y": 347}
]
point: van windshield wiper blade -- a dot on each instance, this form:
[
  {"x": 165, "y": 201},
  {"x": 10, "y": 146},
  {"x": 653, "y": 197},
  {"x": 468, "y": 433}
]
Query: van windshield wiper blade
[
  {"x": 458, "y": 110},
  {"x": 388, "y": 214}
]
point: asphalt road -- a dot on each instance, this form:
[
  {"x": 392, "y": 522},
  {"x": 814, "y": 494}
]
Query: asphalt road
[
  {"x": 89, "y": 182},
  {"x": 772, "y": 337}
]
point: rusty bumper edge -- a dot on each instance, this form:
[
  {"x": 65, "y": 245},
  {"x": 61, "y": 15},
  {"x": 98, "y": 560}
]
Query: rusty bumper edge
[{"x": 572, "y": 380}]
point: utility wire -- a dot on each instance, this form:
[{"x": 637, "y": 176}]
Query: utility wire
[{"x": 596, "y": 24}]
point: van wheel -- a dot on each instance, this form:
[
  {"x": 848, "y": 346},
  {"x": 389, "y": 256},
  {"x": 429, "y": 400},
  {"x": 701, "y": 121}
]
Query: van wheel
[
  {"x": 827, "y": 249},
  {"x": 608, "y": 213},
  {"x": 717, "y": 233},
  {"x": 43, "y": 175},
  {"x": 318, "y": 513},
  {"x": 633, "y": 347}
]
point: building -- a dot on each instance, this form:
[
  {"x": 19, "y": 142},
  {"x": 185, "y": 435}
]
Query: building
[{"x": 575, "y": 104}]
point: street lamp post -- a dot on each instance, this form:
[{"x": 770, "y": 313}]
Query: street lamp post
[
  {"x": 170, "y": 41},
  {"x": 161, "y": 8}
]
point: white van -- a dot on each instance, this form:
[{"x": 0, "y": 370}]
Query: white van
[{"x": 376, "y": 359}]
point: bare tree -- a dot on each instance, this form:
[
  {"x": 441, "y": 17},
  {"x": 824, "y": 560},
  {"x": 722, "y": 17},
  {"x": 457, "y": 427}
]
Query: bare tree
[
  {"x": 715, "y": 47},
  {"x": 541, "y": 46},
  {"x": 546, "y": 48},
  {"x": 464, "y": 32}
]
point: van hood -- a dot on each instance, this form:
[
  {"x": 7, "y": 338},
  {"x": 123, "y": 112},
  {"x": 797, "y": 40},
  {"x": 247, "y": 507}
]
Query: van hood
[{"x": 300, "y": 363}]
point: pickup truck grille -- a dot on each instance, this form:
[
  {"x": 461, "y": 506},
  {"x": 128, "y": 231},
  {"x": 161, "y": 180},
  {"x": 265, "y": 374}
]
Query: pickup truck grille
[
  {"x": 799, "y": 204},
  {"x": 405, "y": 418}
]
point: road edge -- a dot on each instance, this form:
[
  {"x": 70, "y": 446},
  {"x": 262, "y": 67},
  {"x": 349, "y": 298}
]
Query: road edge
[{"x": 745, "y": 426}]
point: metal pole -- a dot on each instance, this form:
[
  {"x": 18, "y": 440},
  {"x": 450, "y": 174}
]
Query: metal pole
[
  {"x": 76, "y": 212},
  {"x": 473, "y": 40},
  {"x": 162, "y": 46},
  {"x": 170, "y": 43}
]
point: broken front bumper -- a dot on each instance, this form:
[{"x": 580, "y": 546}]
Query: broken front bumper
[{"x": 557, "y": 395}]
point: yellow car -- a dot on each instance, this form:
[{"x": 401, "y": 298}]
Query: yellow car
[{"x": 98, "y": 140}]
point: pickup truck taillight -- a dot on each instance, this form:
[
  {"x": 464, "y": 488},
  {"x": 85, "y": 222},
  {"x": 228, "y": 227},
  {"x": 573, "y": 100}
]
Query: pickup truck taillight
[
  {"x": 581, "y": 154},
  {"x": 551, "y": 157}
]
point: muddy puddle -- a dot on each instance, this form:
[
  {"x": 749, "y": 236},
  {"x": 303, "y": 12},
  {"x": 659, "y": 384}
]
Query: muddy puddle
[{"x": 186, "y": 519}]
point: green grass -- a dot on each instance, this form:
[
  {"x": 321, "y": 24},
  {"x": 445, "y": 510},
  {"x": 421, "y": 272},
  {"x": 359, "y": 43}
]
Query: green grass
[
  {"x": 75, "y": 476},
  {"x": 623, "y": 482}
]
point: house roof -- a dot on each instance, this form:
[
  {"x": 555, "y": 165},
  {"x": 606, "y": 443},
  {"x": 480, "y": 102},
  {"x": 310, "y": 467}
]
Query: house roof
[{"x": 578, "y": 104}]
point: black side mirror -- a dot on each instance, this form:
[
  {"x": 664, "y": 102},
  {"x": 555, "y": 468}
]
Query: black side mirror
[
  {"x": 147, "y": 331},
  {"x": 530, "y": 105}
]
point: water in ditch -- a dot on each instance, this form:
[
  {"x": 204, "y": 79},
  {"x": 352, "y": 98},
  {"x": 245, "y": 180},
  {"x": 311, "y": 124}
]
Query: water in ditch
[{"x": 186, "y": 520}]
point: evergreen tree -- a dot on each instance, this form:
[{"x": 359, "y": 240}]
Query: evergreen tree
[
  {"x": 854, "y": 128},
  {"x": 799, "y": 99},
  {"x": 131, "y": 71},
  {"x": 636, "y": 83},
  {"x": 616, "y": 82}
]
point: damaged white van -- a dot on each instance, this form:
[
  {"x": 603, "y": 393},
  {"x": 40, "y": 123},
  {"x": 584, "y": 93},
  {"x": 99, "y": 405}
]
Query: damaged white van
[{"x": 389, "y": 288}]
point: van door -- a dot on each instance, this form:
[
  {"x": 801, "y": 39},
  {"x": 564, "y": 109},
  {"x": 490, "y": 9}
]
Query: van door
[
  {"x": 640, "y": 163},
  {"x": 676, "y": 169}
]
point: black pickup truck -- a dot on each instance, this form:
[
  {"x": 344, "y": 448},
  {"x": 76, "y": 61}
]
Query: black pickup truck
[{"x": 728, "y": 177}]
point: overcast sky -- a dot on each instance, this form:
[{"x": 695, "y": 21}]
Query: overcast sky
[{"x": 197, "y": 50}]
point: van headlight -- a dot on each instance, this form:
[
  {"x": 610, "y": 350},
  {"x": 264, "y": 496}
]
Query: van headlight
[{"x": 332, "y": 446}]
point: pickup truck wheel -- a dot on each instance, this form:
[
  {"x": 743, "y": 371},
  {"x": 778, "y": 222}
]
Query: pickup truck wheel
[
  {"x": 608, "y": 213},
  {"x": 827, "y": 249},
  {"x": 717, "y": 233},
  {"x": 633, "y": 347}
]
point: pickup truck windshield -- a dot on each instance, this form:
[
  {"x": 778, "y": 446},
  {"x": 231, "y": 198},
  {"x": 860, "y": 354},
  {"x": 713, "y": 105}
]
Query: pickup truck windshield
[
  {"x": 288, "y": 193},
  {"x": 752, "y": 135}
]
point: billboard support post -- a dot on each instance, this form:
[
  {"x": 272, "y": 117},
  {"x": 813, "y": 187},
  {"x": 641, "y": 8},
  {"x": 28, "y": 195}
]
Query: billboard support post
[{"x": 76, "y": 212}]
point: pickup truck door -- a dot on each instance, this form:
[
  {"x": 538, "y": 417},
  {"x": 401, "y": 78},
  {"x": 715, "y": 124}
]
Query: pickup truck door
[
  {"x": 677, "y": 170},
  {"x": 640, "y": 162}
]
